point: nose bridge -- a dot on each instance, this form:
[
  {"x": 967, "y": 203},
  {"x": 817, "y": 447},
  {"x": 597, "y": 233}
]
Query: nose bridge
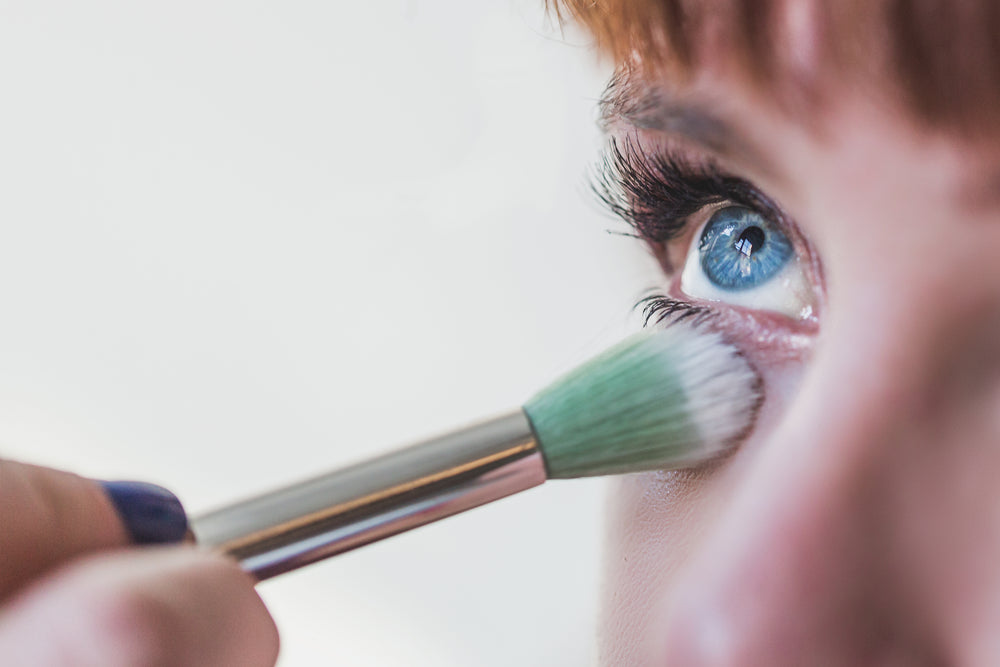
[{"x": 801, "y": 563}]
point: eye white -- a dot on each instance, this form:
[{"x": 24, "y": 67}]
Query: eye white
[{"x": 788, "y": 292}]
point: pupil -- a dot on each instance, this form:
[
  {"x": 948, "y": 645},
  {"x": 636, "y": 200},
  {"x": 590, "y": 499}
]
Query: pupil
[{"x": 751, "y": 240}]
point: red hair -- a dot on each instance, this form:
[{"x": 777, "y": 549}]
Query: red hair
[{"x": 941, "y": 56}]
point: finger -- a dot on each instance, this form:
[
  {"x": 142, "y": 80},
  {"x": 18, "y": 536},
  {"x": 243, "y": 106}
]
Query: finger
[
  {"x": 48, "y": 516},
  {"x": 169, "y": 607}
]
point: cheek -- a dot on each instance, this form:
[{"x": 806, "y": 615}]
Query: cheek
[
  {"x": 656, "y": 521},
  {"x": 653, "y": 522}
]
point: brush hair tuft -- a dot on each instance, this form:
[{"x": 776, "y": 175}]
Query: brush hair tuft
[{"x": 669, "y": 398}]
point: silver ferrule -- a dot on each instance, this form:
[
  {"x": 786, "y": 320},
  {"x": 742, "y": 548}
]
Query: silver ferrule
[{"x": 345, "y": 509}]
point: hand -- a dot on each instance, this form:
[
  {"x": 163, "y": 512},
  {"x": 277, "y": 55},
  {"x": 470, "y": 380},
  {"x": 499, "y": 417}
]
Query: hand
[{"x": 72, "y": 595}]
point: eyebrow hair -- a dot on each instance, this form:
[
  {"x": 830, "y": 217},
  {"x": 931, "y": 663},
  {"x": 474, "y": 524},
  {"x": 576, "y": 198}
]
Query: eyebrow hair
[{"x": 652, "y": 108}]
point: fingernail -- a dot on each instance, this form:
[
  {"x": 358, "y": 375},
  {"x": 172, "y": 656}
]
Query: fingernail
[{"x": 151, "y": 514}]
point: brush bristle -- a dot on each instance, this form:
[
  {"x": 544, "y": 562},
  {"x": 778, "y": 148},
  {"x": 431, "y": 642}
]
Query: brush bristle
[{"x": 669, "y": 398}]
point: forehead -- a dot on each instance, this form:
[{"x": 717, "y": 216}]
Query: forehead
[{"x": 938, "y": 60}]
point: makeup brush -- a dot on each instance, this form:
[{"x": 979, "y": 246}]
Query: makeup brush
[{"x": 669, "y": 398}]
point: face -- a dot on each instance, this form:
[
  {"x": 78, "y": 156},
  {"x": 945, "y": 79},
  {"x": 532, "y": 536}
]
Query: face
[{"x": 853, "y": 254}]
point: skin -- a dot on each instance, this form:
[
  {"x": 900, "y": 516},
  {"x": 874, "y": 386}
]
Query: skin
[
  {"x": 860, "y": 522},
  {"x": 71, "y": 595}
]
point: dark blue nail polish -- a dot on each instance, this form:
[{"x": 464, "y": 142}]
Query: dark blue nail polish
[{"x": 151, "y": 514}]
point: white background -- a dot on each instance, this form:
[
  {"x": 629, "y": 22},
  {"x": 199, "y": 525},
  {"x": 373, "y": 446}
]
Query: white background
[{"x": 243, "y": 242}]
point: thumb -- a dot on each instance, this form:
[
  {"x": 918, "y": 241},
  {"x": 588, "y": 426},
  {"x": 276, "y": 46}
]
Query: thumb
[{"x": 49, "y": 516}]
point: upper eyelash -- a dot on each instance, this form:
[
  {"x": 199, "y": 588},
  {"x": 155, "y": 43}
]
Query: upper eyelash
[{"x": 656, "y": 193}]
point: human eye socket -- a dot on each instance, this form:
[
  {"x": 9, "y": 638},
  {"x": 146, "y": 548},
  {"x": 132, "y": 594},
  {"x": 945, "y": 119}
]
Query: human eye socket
[{"x": 723, "y": 245}]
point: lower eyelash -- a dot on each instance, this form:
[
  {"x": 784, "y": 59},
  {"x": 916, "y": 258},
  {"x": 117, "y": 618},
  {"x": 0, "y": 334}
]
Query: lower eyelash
[{"x": 660, "y": 309}]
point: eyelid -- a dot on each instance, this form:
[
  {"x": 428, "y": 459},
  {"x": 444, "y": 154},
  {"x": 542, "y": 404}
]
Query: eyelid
[
  {"x": 656, "y": 192},
  {"x": 663, "y": 193},
  {"x": 764, "y": 336},
  {"x": 666, "y": 195}
]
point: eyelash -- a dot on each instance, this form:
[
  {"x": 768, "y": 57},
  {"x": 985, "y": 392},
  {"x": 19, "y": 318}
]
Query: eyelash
[
  {"x": 658, "y": 309},
  {"x": 656, "y": 193}
]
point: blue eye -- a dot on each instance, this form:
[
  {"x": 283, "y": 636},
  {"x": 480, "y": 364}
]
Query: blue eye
[{"x": 740, "y": 249}]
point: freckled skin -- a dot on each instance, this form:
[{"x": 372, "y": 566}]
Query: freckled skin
[{"x": 860, "y": 523}]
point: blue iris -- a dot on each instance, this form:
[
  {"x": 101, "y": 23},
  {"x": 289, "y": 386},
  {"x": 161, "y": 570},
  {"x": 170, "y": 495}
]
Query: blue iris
[{"x": 741, "y": 249}]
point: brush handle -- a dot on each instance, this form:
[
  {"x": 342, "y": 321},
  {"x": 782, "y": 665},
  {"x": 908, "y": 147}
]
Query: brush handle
[{"x": 345, "y": 509}]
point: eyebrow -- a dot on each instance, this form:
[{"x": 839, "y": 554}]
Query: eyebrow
[{"x": 650, "y": 108}]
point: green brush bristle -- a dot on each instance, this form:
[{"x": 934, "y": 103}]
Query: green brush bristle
[{"x": 659, "y": 399}]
